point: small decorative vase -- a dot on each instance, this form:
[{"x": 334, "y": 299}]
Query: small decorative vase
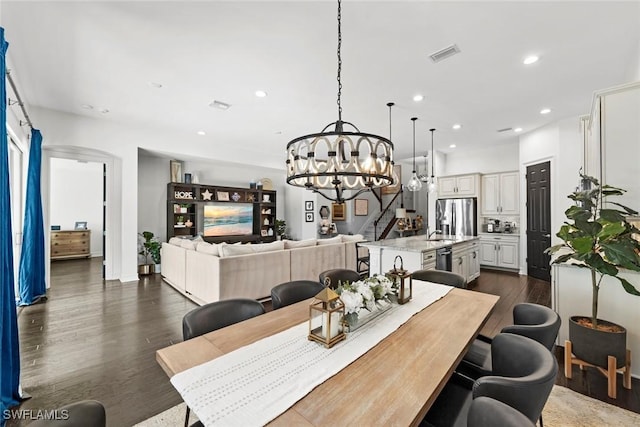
[{"x": 188, "y": 223}]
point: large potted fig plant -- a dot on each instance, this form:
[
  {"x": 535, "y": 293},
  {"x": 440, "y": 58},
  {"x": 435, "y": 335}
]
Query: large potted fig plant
[
  {"x": 598, "y": 236},
  {"x": 149, "y": 248}
]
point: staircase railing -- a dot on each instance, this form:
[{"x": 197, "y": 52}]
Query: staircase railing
[{"x": 389, "y": 226}]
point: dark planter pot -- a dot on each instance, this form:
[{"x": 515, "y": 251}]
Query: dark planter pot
[
  {"x": 145, "y": 269},
  {"x": 594, "y": 346}
]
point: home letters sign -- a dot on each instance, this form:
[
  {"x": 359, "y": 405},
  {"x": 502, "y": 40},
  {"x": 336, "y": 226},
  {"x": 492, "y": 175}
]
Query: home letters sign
[{"x": 183, "y": 195}]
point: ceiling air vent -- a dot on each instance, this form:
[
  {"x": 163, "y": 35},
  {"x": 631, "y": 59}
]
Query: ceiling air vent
[
  {"x": 505, "y": 130},
  {"x": 220, "y": 105},
  {"x": 445, "y": 53}
]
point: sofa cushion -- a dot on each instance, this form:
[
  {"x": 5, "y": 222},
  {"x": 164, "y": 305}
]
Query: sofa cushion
[
  {"x": 207, "y": 248},
  {"x": 352, "y": 238},
  {"x": 188, "y": 244},
  {"x": 331, "y": 241},
  {"x": 268, "y": 247},
  {"x": 290, "y": 244},
  {"x": 225, "y": 249},
  {"x": 175, "y": 241}
]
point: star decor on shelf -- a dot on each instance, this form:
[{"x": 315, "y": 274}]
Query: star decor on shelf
[{"x": 206, "y": 195}]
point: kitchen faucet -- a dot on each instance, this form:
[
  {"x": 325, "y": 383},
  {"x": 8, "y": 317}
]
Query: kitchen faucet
[{"x": 433, "y": 232}]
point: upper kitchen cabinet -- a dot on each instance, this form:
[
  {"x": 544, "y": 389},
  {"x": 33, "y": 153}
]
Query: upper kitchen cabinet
[
  {"x": 458, "y": 186},
  {"x": 500, "y": 194}
]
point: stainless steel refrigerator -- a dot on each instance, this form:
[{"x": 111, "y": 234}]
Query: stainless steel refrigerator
[{"x": 457, "y": 217}]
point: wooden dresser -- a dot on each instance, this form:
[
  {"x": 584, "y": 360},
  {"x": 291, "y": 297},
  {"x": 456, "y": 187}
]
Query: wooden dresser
[{"x": 70, "y": 244}]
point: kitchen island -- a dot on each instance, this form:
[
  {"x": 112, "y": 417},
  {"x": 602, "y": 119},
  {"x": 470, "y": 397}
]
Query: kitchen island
[{"x": 420, "y": 253}]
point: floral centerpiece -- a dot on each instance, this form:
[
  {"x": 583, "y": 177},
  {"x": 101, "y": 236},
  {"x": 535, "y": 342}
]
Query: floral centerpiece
[{"x": 370, "y": 294}]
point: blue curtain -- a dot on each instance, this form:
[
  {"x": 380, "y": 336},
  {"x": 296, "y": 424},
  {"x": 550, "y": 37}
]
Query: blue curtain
[
  {"x": 32, "y": 285},
  {"x": 9, "y": 350}
]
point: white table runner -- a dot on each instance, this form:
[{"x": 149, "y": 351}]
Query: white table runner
[{"x": 256, "y": 383}]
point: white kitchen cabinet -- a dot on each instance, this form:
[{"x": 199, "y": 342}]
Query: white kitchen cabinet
[
  {"x": 499, "y": 251},
  {"x": 500, "y": 194},
  {"x": 459, "y": 186},
  {"x": 473, "y": 265}
]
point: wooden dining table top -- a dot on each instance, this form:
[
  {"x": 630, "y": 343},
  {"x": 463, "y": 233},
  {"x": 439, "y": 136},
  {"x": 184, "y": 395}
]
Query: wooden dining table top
[{"x": 394, "y": 383}]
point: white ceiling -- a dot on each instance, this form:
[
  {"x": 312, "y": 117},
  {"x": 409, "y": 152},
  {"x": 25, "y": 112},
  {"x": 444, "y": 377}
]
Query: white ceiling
[{"x": 66, "y": 54}]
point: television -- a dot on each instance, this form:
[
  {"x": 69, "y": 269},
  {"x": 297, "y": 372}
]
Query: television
[{"x": 228, "y": 219}]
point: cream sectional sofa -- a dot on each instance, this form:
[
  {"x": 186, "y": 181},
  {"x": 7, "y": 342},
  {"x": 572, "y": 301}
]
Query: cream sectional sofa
[{"x": 208, "y": 272}]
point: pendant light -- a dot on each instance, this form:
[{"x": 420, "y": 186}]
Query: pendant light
[
  {"x": 424, "y": 175},
  {"x": 337, "y": 160},
  {"x": 414, "y": 183},
  {"x": 432, "y": 183}
]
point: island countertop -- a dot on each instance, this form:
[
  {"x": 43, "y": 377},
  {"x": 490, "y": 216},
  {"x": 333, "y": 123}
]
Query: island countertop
[{"x": 418, "y": 243}]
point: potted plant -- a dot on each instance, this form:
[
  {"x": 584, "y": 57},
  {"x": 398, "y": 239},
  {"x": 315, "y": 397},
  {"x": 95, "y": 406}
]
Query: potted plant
[
  {"x": 281, "y": 228},
  {"x": 150, "y": 250},
  {"x": 598, "y": 237}
]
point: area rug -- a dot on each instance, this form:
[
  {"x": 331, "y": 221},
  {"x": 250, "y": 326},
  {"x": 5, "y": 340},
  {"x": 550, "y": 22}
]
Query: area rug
[{"x": 565, "y": 408}]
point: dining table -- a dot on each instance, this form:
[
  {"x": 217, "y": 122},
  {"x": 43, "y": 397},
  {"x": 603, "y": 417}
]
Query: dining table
[{"x": 393, "y": 383}]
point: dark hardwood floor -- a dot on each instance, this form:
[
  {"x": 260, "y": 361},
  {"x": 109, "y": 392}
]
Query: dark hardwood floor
[{"x": 97, "y": 340}]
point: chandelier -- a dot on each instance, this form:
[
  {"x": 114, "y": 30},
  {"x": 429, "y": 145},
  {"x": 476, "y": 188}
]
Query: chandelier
[{"x": 339, "y": 160}]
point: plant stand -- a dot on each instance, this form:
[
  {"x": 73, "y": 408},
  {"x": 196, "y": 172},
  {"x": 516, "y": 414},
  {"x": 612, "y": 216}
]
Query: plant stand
[{"x": 610, "y": 372}]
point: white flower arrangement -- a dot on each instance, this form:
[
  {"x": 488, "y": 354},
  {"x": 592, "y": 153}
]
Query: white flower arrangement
[{"x": 366, "y": 294}]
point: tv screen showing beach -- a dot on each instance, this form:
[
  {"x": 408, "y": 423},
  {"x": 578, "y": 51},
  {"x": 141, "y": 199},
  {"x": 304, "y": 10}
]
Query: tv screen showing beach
[{"x": 227, "y": 219}]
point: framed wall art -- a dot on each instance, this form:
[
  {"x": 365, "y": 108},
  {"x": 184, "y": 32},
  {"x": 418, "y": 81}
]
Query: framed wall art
[
  {"x": 308, "y": 205},
  {"x": 175, "y": 168},
  {"x": 81, "y": 225},
  {"x": 308, "y": 217},
  {"x": 361, "y": 207},
  {"x": 222, "y": 196},
  {"x": 339, "y": 211}
]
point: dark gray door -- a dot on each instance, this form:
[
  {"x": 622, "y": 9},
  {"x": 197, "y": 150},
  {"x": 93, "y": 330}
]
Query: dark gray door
[{"x": 538, "y": 221}]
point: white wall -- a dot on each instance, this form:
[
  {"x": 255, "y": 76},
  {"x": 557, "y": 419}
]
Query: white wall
[
  {"x": 501, "y": 158},
  {"x": 76, "y": 195}
]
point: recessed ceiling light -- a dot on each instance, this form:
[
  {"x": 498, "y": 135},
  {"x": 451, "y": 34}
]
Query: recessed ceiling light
[
  {"x": 278, "y": 132},
  {"x": 87, "y": 106},
  {"x": 457, "y": 126},
  {"x": 517, "y": 130},
  {"x": 155, "y": 85},
  {"x": 201, "y": 133},
  {"x": 220, "y": 105},
  {"x": 104, "y": 110},
  {"x": 452, "y": 146},
  {"x": 530, "y": 60},
  {"x": 545, "y": 111},
  {"x": 261, "y": 93},
  {"x": 418, "y": 98}
]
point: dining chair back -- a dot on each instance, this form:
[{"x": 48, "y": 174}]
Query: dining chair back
[
  {"x": 333, "y": 278},
  {"x": 78, "y": 414},
  {"x": 487, "y": 412},
  {"x": 217, "y": 315},
  {"x": 524, "y": 374},
  {"x": 440, "y": 276},
  {"x": 534, "y": 321},
  {"x": 291, "y": 292}
]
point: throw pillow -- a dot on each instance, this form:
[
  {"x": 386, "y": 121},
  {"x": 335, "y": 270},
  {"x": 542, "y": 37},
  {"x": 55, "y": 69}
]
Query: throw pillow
[
  {"x": 176, "y": 241},
  {"x": 188, "y": 244},
  {"x": 290, "y": 244},
  {"x": 231, "y": 250},
  {"x": 331, "y": 241},
  {"x": 268, "y": 247},
  {"x": 207, "y": 248},
  {"x": 352, "y": 238}
]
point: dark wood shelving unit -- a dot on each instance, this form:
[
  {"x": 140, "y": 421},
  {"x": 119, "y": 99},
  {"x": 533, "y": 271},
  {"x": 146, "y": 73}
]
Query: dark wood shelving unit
[{"x": 185, "y": 207}]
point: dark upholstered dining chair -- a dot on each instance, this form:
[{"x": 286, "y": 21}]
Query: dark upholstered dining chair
[
  {"x": 217, "y": 315},
  {"x": 487, "y": 412},
  {"x": 524, "y": 372},
  {"x": 534, "y": 321},
  {"x": 441, "y": 276},
  {"x": 78, "y": 414},
  {"x": 291, "y": 292},
  {"x": 332, "y": 278}
]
